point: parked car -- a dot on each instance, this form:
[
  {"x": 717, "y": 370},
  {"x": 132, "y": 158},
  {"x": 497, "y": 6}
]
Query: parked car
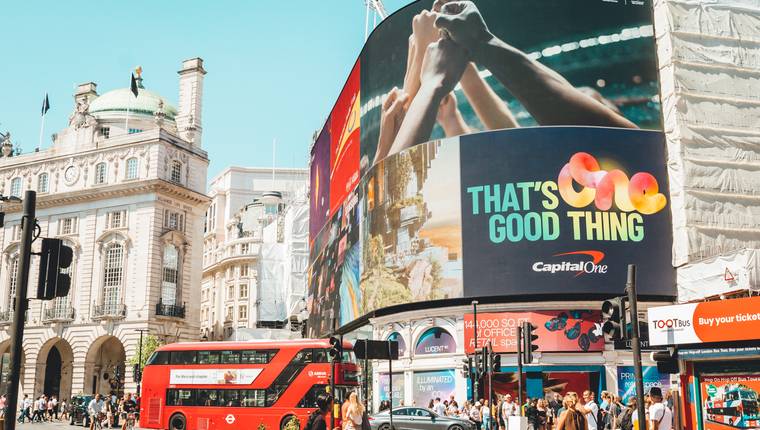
[
  {"x": 412, "y": 418},
  {"x": 78, "y": 411}
]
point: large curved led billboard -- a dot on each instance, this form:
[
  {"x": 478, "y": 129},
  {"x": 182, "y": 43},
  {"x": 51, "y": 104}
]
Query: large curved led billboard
[{"x": 504, "y": 148}]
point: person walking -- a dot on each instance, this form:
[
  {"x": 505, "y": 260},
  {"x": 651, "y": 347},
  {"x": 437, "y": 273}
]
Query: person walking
[
  {"x": 317, "y": 420},
  {"x": 541, "y": 414},
  {"x": 485, "y": 414},
  {"x": 354, "y": 413},
  {"x": 591, "y": 410},
  {"x": 660, "y": 415},
  {"x": 571, "y": 418},
  {"x": 25, "y": 412},
  {"x": 627, "y": 416},
  {"x": 612, "y": 422},
  {"x": 508, "y": 409},
  {"x": 475, "y": 415},
  {"x": 438, "y": 407}
]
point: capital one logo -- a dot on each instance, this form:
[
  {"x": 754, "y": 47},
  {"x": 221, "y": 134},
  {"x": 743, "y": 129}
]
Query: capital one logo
[{"x": 588, "y": 263}]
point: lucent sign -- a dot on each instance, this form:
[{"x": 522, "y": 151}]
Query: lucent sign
[{"x": 716, "y": 321}]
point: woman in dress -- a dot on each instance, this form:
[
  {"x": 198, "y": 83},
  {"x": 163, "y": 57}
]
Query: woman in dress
[{"x": 354, "y": 413}]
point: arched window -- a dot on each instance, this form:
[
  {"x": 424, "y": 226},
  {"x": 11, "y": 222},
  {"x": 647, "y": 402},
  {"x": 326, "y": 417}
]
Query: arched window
[
  {"x": 396, "y": 336},
  {"x": 132, "y": 168},
  {"x": 16, "y": 187},
  {"x": 113, "y": 277},
  {"x": 12, "y": 281},
  {"x": 61, "y": 306},
  {"x": 435, "y": 340},
  {"x": 170, "y": 278},
  {"x": 100, "y": 173},
  {"x": 176, "y": 172},
  {"x": 42, "y": 183}
]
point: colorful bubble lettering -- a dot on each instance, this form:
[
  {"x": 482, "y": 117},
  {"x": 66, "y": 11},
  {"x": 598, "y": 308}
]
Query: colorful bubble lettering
[{"x": 640, "y": 193}]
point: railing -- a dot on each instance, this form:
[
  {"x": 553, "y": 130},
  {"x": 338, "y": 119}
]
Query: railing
[
  {"x": 109, "y": 310},
  {"x": 170, "y": 310},
  {"x": 55, "y": 313},
  {"x": 6, "y": 316}
]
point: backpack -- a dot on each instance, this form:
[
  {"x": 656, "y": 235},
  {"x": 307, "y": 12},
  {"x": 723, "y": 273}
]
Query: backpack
[
  {"x": 626, "y": 420},
  {"x": 600, "y": 418}
]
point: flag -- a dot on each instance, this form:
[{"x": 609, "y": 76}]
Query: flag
[
  {"x": 133, "y": 85},
  {"x": 45, "y": 105}
]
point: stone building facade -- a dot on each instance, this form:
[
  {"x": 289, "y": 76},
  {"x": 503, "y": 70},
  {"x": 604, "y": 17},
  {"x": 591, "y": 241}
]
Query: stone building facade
[{"x": 123, "y": 184}]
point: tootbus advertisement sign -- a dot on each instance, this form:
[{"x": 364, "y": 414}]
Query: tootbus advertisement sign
[{"x": 717, "y": 321}]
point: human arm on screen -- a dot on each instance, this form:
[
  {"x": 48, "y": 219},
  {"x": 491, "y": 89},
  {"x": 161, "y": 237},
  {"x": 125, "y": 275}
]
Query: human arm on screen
[
  {"x": 492, "y": 111},
  {"x": 442, "y": 68},
  {"x": 450, "y": 118},
  {"x": 391, "y": 115},
  {"x": 423, "y": 34},
  {"x": 549, "y": 97}
]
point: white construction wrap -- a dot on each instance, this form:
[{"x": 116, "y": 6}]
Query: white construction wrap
[{"x": 709, "y": 55}]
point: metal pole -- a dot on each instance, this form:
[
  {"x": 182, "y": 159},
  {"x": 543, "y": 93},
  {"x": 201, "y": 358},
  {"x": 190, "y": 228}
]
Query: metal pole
[
  {"x": 17, "y": 328},
  {"x": 519, "y": 369},
  {"x": 366, "y": 376},
  {"x": 332, "y": 374},
  {"x": 490, "y": 380},
  {"x": 476, "y": 391},
  {"x": 390, "y": 383},
  {"x": 139, "y": 361},
  {"x": 630, "y": 287}
]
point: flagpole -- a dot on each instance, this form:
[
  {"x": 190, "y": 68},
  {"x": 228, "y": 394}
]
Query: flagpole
[
  {"x": 126, "y": 122},
  {"x": 42, "y": 131}
]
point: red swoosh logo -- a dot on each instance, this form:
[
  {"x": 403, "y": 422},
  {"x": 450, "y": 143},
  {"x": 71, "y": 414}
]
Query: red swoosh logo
[{"x": 596, "y": 256}]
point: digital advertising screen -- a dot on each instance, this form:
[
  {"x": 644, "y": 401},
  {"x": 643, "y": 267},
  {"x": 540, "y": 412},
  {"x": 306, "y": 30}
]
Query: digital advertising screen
[{"x": 502, "y": 149}]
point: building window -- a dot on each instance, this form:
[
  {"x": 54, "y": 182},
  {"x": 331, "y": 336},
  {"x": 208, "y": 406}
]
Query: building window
[
  {"x": 116, "y": 219},
  {"x": 113, "y": 276},
  {"x": 16, "y": 232},
  {"x": 170, "y": 284},
  {"x": 271, "y": 209},
  {"x": 100, "y": 173},
  {"x": 174, "y": 220},
  {"x": 105, "y": 132},
  {"x": 243, "y": 291},
  {"x": 132, "y": 168},
  {"x": 67, "y": 226},
  {"x": 244, "y": 248},
  {"x": 176, "y": 172},
  {"x": 230, "y": 292},
  {"x": 242, "y": 312},
  {"x": 229, "y": 316},
  {"x": 12, "y": 272},
  {"x": 244, "y": 271},
  {"x": 16, "y": 187},
  {"x": 42, "y": 183},
  {"x": 135, "y": 130}
]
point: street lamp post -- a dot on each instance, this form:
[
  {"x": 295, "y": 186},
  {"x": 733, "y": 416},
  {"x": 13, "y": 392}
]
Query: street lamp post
[
  {"x": 139, "y": 360},
  {"x": 475, "y": 387}
]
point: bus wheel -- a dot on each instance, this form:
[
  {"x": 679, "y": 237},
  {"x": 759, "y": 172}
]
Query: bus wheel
[{"x": 177, "y": 422}]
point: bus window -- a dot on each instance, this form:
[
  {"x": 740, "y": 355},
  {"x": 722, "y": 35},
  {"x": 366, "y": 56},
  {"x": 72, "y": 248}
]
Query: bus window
[
  {"x": 320, "y": 356},
  {"x": 309, "y": 399},
  {"x": 252, "y": 398},
  {"x": 256, "y": 357},
  {"x": 208, "y": 357},
  {"x": 304, "y": 356},
  {"x": 159, "y": 357},
  {"x": 180, "y": 398},
  {"x": 207, "y": 398},
  {"x": 230, "y": 398},
  {"x": 229, "y": 357},
  {"x": 348, "y": 356},
  {"x": 182, "y": 357}
]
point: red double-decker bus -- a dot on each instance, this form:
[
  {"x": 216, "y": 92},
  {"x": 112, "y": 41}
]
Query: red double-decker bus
[{"x": 234, "y": 385}]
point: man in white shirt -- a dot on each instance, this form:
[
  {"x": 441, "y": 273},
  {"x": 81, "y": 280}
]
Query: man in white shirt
[
  {"x": 660, "y": 416},
  {"x": 438, "y": 407},
  {"x": 590, "y": 409},
  {"x": 95, "y": 409},
  {"x": 508, "y": 409}
]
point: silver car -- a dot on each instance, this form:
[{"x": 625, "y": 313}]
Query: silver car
[{"x": 413, "y": 418}]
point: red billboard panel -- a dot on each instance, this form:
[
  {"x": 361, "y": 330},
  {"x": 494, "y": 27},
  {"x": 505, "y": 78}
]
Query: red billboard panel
[
  {"x": 344, "y": 141},
  {"x": 557, "y": 331}
]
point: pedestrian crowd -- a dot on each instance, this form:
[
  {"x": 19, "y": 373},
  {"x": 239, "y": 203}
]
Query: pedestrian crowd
[
  {"x": 42, "y": 409},
  {"x": 109, "y": 411},
  {"x": 558, "y": 412}
]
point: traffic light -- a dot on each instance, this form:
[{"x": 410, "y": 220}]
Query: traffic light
[
  {"x": 466, "y": 366},
  {"x": 496, "y": 363},
  {"x": 136, "y": 373},
  {"x": 613, "y": 318},
  {"x": 667, "y": 361},
  {"x": 528, "y": 342},
  {"x": 336, "y": 349},
  {"x": 54, "y": 256},
  {"x": 483, "y": 361}
]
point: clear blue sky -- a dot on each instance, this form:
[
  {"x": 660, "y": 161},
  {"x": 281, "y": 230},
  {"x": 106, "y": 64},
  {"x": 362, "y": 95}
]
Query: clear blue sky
[{"x": 274, "y": 67}]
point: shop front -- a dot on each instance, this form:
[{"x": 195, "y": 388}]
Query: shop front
[{"x": 716, "y": 343}]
